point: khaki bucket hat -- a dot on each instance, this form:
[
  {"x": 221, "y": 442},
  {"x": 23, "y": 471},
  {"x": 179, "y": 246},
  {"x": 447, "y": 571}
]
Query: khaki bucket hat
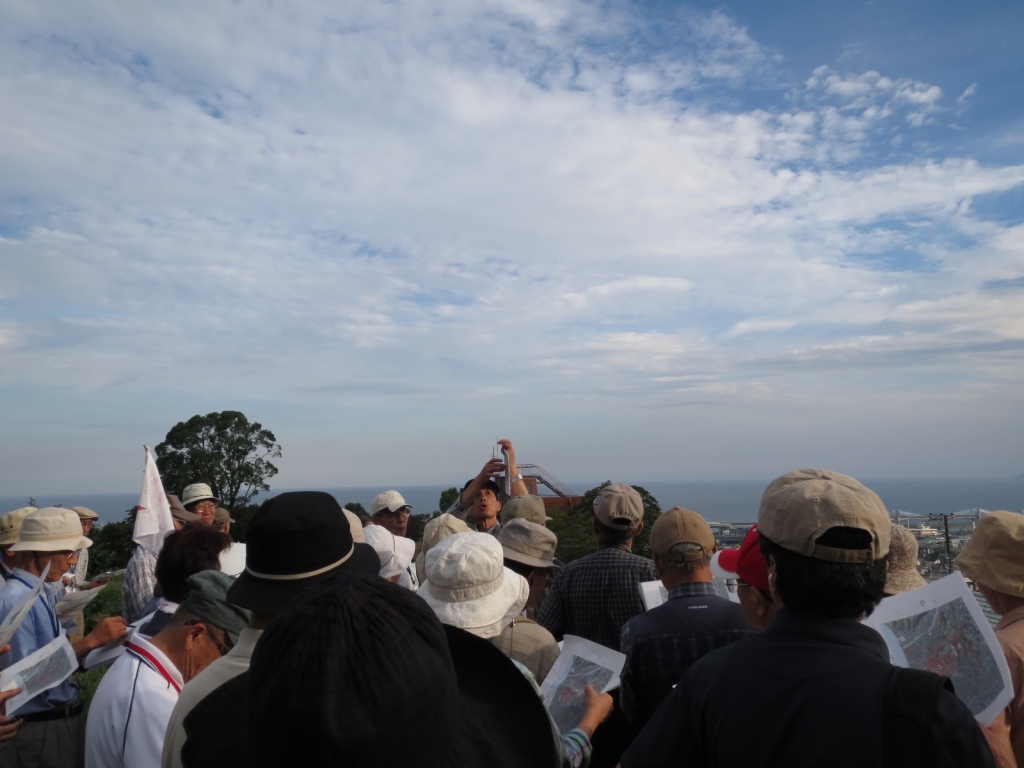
[
  {"x": 51, "y": 529},
  {"x": 10, "y": 524},
  {"x": 995, "y": 554},
  {"x": 528, "y": 543}
]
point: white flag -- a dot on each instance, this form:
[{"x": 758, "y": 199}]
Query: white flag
[{"x": 153, "y": 519}]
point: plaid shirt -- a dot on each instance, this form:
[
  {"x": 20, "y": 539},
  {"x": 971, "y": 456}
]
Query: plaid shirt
[
  {"x": 138, "y": 585},
  {"x": 593, "y": 597},
  {"x": 661, "y": 644},
  {"x": 80, "y": 569}
]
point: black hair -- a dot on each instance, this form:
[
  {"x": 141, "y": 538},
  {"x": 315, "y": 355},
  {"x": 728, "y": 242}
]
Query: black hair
[
  {"x": 523, "y": 569},
  {"x": 834, "y": 590},
  {"x": 194, "y": 548},
  {"x": 613, "y": 534}
]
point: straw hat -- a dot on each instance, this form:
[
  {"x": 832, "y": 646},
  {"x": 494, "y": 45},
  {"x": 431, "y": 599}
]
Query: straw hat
[
  {"x": 902, "y": 575},
  {"x": 51, "y": 529}
]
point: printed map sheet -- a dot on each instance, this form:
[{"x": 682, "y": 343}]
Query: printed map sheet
[
  {"x": 46, "y": 668},
  {"x": 941, "y": 628},
  {"x": 654, "y": 592},
  {"x": 581, "y": 663}
]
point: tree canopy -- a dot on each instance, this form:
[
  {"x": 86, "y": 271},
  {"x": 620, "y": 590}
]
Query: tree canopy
[
  {"x": 576, "y": 537},
  {"x": 223, "y": 449}
]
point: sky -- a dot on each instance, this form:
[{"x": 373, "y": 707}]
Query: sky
[{"x": 643, "y": 240}]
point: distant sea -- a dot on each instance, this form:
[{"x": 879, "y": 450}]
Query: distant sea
[{"x": 727, "y": 502}]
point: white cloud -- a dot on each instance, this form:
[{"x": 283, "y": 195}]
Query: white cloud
[{"x": 387, "y": 204}]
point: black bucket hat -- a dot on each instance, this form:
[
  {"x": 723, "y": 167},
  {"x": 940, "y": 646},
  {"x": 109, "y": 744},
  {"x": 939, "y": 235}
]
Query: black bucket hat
[
  {"x": 295, "y": 540},
  {"x": 355, "y": 658}
]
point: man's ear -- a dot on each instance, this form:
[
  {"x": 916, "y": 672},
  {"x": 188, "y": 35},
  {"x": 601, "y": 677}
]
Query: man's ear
[
  {"x": 193, "y": 632},
  {"x": 639, "y": 529}
]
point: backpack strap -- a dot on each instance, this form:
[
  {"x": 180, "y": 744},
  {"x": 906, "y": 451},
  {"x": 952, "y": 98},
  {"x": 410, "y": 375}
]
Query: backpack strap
[{"x": 911, "y": 700}]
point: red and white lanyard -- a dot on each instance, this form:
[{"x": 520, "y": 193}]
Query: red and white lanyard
[{"x": 150, "y": 659}]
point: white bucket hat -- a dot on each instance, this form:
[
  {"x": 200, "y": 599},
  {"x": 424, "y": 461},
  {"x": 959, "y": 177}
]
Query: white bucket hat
[
  {"x": 395, "y": 552},
  {"x": 195, "y": 493},
  {"x": 435, "y": 531},
  {"x": 469, "y": 587},
  {"x": 51, "y": 529}
]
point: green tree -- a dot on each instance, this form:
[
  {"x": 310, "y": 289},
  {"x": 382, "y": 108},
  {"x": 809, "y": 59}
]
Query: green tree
[
  {"x": 448, "y": 498},
  {"x": 355, "y": 506},
  {"x": 112, "y": 545},
  {"x": 416, "y": 525},
  {"x": 575, "y": 532},
  {"x": 223, "y": 449}
]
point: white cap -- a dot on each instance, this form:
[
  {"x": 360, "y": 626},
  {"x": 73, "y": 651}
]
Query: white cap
[{"x": 392, "y": 501}]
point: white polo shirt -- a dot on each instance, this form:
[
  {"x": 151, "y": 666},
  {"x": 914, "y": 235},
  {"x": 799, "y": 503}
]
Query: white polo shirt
[{"x": 129, "y": 713}]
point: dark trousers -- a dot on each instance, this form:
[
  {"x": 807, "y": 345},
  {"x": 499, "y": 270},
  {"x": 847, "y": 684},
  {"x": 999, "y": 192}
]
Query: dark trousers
[{"x": 57, "y": 743}]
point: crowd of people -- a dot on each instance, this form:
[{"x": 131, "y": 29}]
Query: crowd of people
[{"x": 336, "y": 641}]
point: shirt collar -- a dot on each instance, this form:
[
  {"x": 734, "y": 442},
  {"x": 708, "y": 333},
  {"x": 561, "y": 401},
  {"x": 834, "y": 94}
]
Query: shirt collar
[
  {"x": 839, "y": 631},
  {"x": 1017, "y": 614},
  {"x": 29, "y": 578},
  {"x": 692, "y": 589},
  {"x": 140, "y": 641}
]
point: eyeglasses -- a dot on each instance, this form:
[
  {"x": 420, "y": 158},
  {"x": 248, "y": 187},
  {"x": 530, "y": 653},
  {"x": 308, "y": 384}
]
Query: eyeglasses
[
  {"x": 399, "y": 511},
  {"x": 767, "y": 595}
]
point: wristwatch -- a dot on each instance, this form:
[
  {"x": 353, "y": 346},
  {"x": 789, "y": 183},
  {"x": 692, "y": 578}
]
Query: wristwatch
[{"x": 516, "y": 479}]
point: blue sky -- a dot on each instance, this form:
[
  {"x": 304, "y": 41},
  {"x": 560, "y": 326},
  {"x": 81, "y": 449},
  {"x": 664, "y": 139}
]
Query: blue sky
[{"x": 646, "y": 241}]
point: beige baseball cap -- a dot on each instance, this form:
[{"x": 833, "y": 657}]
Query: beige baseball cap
[
  {"x": 392, "y": 501},
  {"x": 995, "y": 554},
  {"x": 619, "y": 507},
  {"x": 528, "y": 507},
  {"x": 679, "y": 526},
  {"x": 799, "y": 507}
]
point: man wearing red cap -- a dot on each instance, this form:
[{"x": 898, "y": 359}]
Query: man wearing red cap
[{"x": 748, "y": 564}]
